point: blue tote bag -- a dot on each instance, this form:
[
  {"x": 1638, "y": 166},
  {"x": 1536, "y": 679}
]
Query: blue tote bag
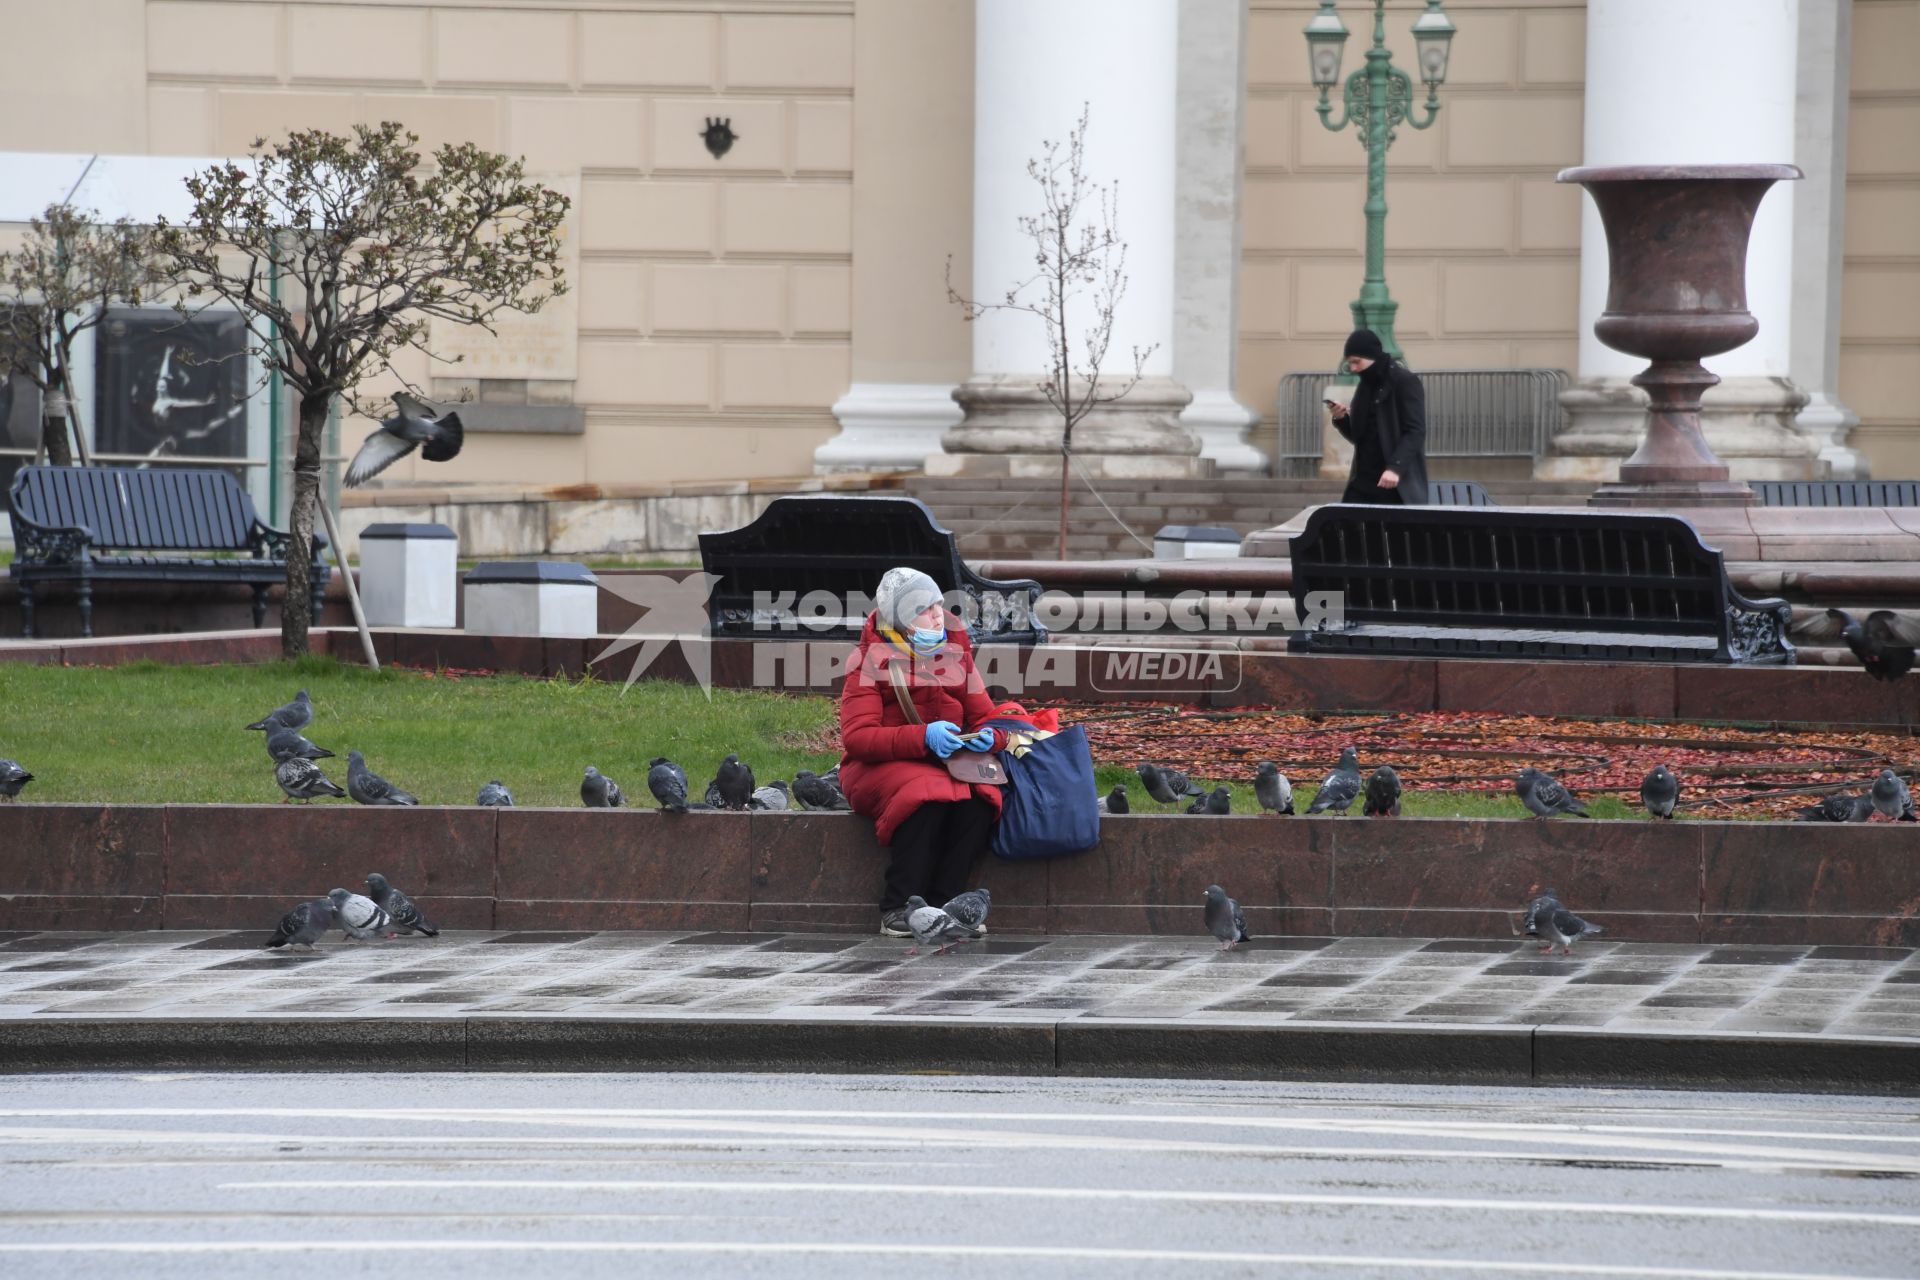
[{"x": 1048, "y": 805}]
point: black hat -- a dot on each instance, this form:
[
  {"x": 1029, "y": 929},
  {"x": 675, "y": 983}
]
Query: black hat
[{"x": 1364, "y": 342}]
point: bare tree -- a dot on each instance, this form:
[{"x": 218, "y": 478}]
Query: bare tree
[
  {"x": 59, "y": 283},
  {"x": 1080, "y": 266},
  {"x": 340, "y": 251}
]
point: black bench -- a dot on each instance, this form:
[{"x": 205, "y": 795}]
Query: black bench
[
  {"x": 838, "y": 546},
  {"x": 1503, "y": 583},
  {"x": 65, "y": 518},
  {"x": 1836, "y": 493},
  {"x": 1457, "y": 493}
]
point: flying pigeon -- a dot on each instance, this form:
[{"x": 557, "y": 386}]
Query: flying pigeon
[
  {"x": 1271, "y": 788},
  {"x": 816, "y": 792},
  {"x": 1884, "y": 644},
  {"x": 1225, "y": 920},
  {"x": 970, "y": 909},
  {"x": 13, "y": 776},
  {"x": 1544, "y": 796},
  {"x": 1659, "y": 791},
  {"x": 297, "y": 714},
  {"x": 931, "y": 925},
  {"x": 1838, "y": 808},
  {"x": 598, "y": 791},
  {"x": 1168, "y": 786},
  {"x": 495, "y": 796},
  {"x": 1341, "y": 787},
  {"x": 774, "y": 796},
  {"x": 1891, "y": 797},
  {"x": 301, "y": 779},
  {"x": 403, "y": 913},
  {"x": 358, "y": 917},
  {"x": 286, "y": 744},
  {"x": 1383, "y": 794},
  {"x": 368, "y": 787},
  {"x": 413, "y": 427},
  {"x": 732, "y": 787},
  {"x": 1547, "y": 918},
  {"x": 668, "y": 783},
  {"x": 303, "y": 926},
  {"x": 1115, "y": 801}
]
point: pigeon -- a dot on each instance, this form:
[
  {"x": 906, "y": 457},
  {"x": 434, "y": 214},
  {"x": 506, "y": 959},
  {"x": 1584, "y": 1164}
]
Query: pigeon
[
  {"x": 1225, "y": 920},
  {"x": 970, "y": 909},
  {"x": 286, "y": 744},
  {"x": 815, "y": 792},
  {"x": 495, "y": 796},
  {"x": 598, "y": 791},
  {"x": 1115, "y": 801},
  {"x": 1548, "y": 919},
  {"x": 1217, "y": 802},
  {"x": 732, "y": 787},
  {"x": 413, "y": 427},
  {"x": 773, "y": 797},
  {"x": 301, "y": 779},
  {"x": 931, "y": 925},
  {"x": 368, "y": 787},
  {"x": 1891, "y": 797},
  {"x": 1839, "y": 808},
  {"x": 1271, "y": 788},
  {"x": 668, "y": 783},
  {"x": 297, "y": 714},
  {"x": 1383, "y": 794},
  {"x": 357, "y": 917},
  {"x": 1168, "y": 786},
  {"x": 1544, "y": 796},
  {"x": 1545, "y": 900},
  {"x": 303, "y": 926},
  {"x": 1659, "y": 791},
  {"x": 1884, "y": 644},
  {"x": 13, "y": 776},
  {"x": 1341, "y": 787},
  {"x": 403, "y": 913}
]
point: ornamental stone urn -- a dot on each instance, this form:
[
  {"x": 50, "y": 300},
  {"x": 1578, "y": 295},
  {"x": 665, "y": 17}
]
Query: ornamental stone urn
[{"x": 1677, "y": 291}]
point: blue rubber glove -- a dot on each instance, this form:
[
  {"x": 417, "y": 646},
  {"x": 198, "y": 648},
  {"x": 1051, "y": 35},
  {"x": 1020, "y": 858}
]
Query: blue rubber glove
[
  {"x": 981, "y": 741},
  {"x": 943, "y": 738}
]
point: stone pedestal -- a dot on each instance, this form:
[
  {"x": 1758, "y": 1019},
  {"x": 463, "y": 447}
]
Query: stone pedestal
[
  {"x": 532, "y": 598},
  {"x": 408, "y": 574},
  {"x": 887, "y": 426},
  {"x": 1749, "y": 423},
  {"x": 1012, "y": 430}
]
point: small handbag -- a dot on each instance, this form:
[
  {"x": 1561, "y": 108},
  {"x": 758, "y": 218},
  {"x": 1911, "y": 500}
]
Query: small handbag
[{"x": 981, "y": 768}]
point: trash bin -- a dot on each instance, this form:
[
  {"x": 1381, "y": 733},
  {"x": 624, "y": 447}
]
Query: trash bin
[
  {"x": 408, "y": 575},
  {"x": 532, "y": 598}
]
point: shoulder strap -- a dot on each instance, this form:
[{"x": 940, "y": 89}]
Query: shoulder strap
[{"x": 898, "y": 679}]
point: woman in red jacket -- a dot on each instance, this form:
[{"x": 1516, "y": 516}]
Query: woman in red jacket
[{"x": 936, "y": 825}]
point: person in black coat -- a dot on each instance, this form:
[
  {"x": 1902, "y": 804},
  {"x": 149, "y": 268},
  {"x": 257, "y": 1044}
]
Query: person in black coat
[{"x": 1386, "y": 424}]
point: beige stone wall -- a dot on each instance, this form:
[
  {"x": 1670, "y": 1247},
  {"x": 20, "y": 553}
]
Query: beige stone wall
[
  {"x": 1880, "y": 295},
  {"x": 1483, "y": 246}
]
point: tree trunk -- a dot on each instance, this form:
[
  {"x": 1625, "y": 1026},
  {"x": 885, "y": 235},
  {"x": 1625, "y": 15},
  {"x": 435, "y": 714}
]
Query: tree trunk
[
  {"x": 53, "y": 435},
  {"x": 296, "y": 611},
  {"x": 1066, "y": 459}
]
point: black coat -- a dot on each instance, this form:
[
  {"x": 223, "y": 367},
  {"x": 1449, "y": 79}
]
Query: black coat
[{"x": 1387, "y": 426}]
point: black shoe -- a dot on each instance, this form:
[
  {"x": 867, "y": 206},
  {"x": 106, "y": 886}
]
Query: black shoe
[{"x": 893, "y": 924}]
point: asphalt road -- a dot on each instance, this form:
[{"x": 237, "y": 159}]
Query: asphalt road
[{"x": 716, "y": 1175}]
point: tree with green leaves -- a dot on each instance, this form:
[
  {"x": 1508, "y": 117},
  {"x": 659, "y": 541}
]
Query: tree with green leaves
[{"x": 340, "y": 252}]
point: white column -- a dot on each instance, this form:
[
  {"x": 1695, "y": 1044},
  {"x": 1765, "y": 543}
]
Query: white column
[{"x": 1701, "y": 82}]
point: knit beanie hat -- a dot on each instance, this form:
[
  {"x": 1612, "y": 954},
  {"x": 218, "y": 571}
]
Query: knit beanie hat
[{"x": 1364, "y": 343}]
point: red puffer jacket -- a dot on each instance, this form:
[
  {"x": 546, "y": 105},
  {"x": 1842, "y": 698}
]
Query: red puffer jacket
[{"x": 886, "y": 770}]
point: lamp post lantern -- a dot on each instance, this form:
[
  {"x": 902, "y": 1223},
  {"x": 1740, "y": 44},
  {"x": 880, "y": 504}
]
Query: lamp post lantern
[{"x": 1379, "y": 97}]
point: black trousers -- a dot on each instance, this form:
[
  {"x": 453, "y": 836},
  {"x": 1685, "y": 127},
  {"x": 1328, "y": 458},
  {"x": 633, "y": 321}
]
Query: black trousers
[{"x": 934, "y": 851}]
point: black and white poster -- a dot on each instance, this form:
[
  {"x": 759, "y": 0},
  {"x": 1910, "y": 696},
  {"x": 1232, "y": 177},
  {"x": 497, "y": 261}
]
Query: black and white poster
[{"x": 168, "y": 386}]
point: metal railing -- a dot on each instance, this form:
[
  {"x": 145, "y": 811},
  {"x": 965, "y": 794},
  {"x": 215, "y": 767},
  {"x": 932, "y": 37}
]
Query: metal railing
[{"x": 1471, "y": 413}]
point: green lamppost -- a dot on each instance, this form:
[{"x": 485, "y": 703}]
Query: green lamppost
[{"x": 1379, "y": 98}]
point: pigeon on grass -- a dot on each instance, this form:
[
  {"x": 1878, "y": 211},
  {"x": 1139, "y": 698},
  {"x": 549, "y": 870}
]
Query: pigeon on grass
[
  {"x": 668, "y": 783},
  {"x": 931, "y": 925},
  {"x": 1544, "y": 796},
  {"x": 775, "y": 797},
  {"x": 358, "y": 917},
  {"x": 970, "y": 909},
  {"x": 303, "y": 926},
  {"x": 1341, "y": 787},
  {"x": 297, "y": 714},
  {"x": 816, "y": 792},
  {"x": 13, "y": 776},
  {"x": 1224, "y": 918},
  {"x": 1217, "y": 802},
  {"x": 368, "y": 787},
  {"x": 1659, "y": 792},
  {"x": 732, "y": 787},
  {"x": 403, "y": 913},
  {"x": 1838, "y": 808},
  {"x": 302, "y": 780},
  {"x": 598, "y": 791},
  {"x": 1891, "y": 798},
  {"x": 1271, "y": 789},
  {"x": 287, "y": 744},
  {"x": 494, "y": 796},
  {"x": 413, "y": 427},
  {"x": 1167, "y": 786},
  {"x": 1115, "y": 801},
  {"x": 1383, "y": 794}
]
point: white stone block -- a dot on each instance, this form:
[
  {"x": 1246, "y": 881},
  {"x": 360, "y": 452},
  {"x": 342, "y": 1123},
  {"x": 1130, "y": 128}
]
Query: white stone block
[
  {"x": 532, "y": 598},
  {"x": 1195, "y": 542},
  {"x": 408, "y": 575}
]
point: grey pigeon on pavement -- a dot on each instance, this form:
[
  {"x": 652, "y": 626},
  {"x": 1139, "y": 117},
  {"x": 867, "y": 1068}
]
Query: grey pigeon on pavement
[
  {"x": 286, "y": 744},
  {"x": 1884, "y": 643},
  {"x": 1271, "y": 788},
  {"x": 1544, "y": 900},
  {"x": 297, "y": 714},
  {"x": 816, "y": 792},
  {"x": 1549, "y": 919},
  {"x": 1168, "y": 786},
  {"x": 668, "y": 783},
  {"x": 413, "y": 427},
  {"x": 13, "y": 776},
  {"x": 775, "y": 797},
  {"x": 368, "y": 787},
  {"x": 1660, "y": 791},
  {"x": 598, "y": 791},
  {"x": 402, "y": 912},
  {"x": 1383, "y": 794},
  {"x": 1225, "y": 920},
  {"x": 1115, "y": 801},
  {"x": 303, "y": 926},
  {"x": 1544, "y": 796},
  {"x": 732, "y": 786},
  {"x": 301, "y": 779},
  {"x": 971, "y": 909},
  {"x": 494, "y": 796},
  {"x": 931, "y": 925},
  {"x": 357, "y": 917},
  {"x": 1891, "y": 797},
  {"x": 1341, "y": 787},
  {"x": 1838, "y": 808}
]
